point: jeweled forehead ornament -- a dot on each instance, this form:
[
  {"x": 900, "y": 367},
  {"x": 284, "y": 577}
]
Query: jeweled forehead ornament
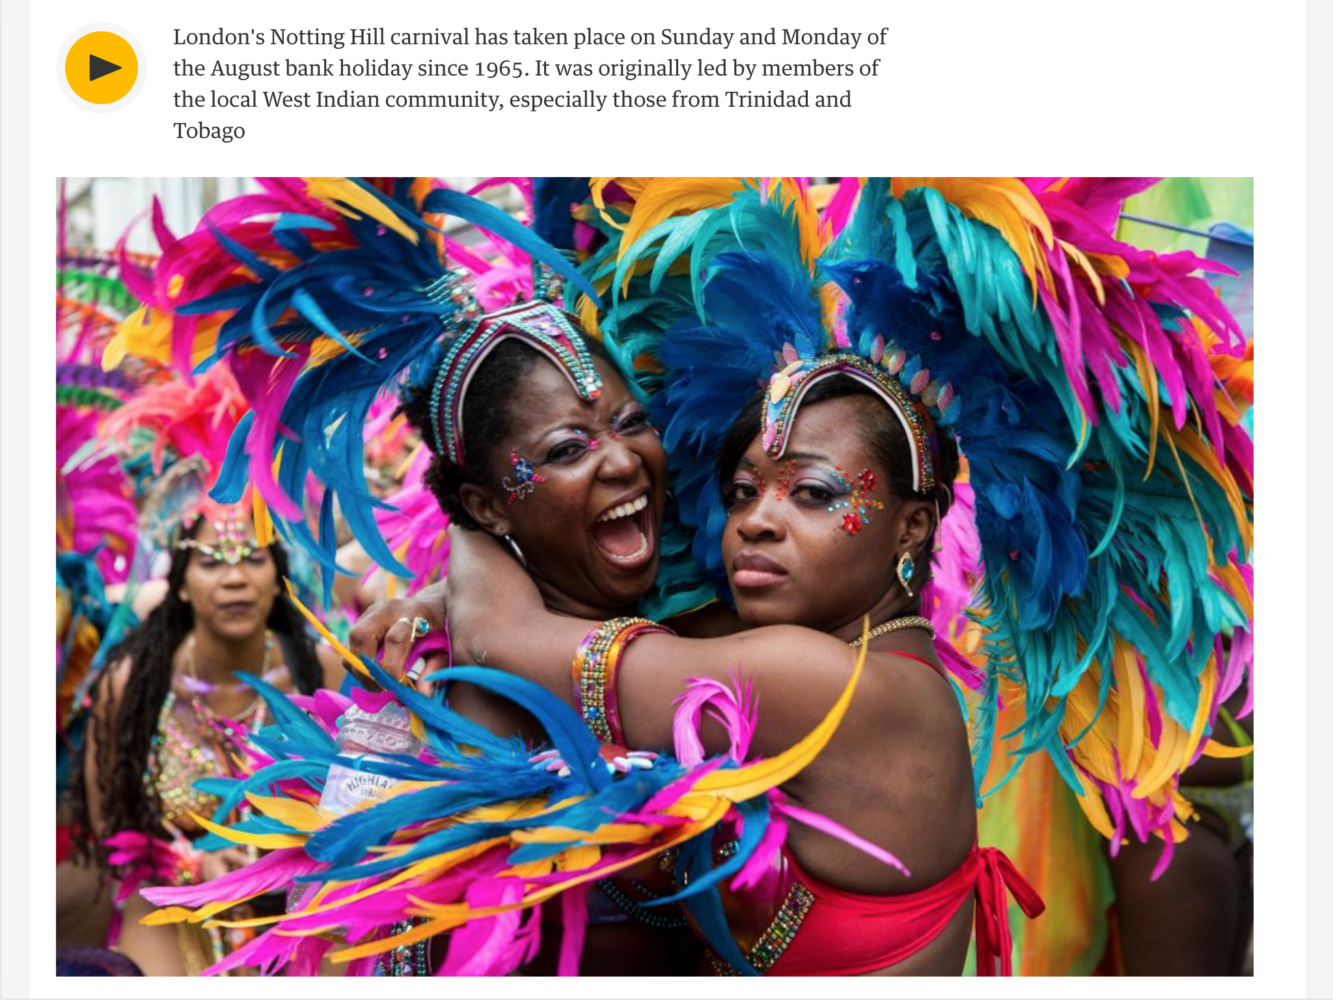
[
  {"x": 537, "y": 324},
  {"x": 234, "y": 544},
  {"x": 898, "y": 380}
]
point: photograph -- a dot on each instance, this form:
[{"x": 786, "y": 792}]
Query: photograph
[{"x": 652, "y": 576}]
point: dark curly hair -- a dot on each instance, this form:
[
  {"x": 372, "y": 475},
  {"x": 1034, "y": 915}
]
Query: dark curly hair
[
  {"x": 882, "y": 433},
  {"x": 487, "y": 415},
  {"x": 124, "y": 727}
]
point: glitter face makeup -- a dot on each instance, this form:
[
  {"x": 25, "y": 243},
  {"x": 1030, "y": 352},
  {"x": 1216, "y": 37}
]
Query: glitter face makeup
[
  {"x": 857, "y": 506},
  {"x": 525, "y": 480},
  {"x": 786, "y": 473}
]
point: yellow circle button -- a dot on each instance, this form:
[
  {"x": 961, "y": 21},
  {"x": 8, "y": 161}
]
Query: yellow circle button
[{"x": 101, "y": 67}]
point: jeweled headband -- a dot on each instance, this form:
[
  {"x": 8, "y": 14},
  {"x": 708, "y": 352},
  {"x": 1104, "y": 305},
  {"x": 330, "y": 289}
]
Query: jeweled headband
[
  {"x": 233, "y": 526},
  {"x": 538, "y": 324},
  {"x": 898, "y": 380}
]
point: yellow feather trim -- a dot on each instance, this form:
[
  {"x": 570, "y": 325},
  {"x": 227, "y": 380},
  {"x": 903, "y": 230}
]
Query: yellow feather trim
[
  {"x": 298, "y": 815},
  {"x": 354, "y": 201}
]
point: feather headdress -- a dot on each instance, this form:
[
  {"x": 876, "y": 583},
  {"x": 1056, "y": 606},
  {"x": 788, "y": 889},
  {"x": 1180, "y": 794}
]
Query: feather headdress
[
  {"x": 322, "y": 293},
  {"x": 1112, "y": 486}
]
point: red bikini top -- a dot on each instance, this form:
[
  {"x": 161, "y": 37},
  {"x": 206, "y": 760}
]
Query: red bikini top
[
  {"x": 832, "y": 932},
  {"x": 820, "y": 930}
]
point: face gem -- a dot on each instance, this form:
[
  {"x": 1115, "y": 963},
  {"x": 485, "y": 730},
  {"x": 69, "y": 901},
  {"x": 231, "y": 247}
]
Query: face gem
[{"x": 525, "y": 479}]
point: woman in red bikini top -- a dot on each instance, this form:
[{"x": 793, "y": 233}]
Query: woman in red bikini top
[{"x": 831, "y": 531}]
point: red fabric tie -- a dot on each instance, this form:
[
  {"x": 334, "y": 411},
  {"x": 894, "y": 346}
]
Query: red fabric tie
[{"x": 998, "y": 877}]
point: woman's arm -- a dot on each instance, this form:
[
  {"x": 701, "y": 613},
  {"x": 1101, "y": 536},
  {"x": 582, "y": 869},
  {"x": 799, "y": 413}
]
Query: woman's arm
[{"x": 497, "y": 619}]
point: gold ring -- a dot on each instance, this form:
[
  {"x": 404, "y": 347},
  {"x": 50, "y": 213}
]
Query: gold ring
[{"x": 420, "y": 627}]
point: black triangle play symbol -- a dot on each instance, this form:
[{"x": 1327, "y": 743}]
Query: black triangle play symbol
[{"x": 98, "y": 68}]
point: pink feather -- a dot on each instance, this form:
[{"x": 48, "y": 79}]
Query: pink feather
[{"x": 836, "y": 829}]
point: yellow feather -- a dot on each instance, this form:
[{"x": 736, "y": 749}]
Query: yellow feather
[
  {"x": 1129, "y": 685},
  {"x": 354, "y": 201},
  {"x": 1220, "y": 751},
  {"x": 1207, "y": 684},
  {"x": 1166, "y": 762},
  {"x": 409, "y": 937},
  {"x": 1206, "y": 458},
  {"x": 609, "y": 833},
  {"x": 1229, "y": 574},
  {"x": 167, "y": 915},
  {"x": 530, "y": 869},
  {"x": 1004, "y": 203},
  {"x": 1095, "y": 810},
  {"x": 1085, "y": 265},
  {"x": 264, "y": 531},
  {"x": 1148, "y": 379},
  {"x": 350, "y": 658},
  {"x": 146, "y": 333},
  {"x": 265, "y": 841},
  {"x": 298, "y": 815},
  {"x": 577, "y": 858}
]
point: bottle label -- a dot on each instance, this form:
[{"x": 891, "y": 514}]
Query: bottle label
[{"x": 346, "y": 788}]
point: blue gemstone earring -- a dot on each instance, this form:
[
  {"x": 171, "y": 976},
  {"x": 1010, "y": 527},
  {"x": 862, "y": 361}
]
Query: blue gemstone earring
[{"x": 906, "y": 568}]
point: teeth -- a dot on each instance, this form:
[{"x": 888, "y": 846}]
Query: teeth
[{"x": 625, "y": 509}]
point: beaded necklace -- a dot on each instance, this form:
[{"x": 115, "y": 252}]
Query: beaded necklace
[
  {"x": 200, "y": 689},
  {"x": 895, "y": 625},
  {"x": 177, "y": 759},
  {"x": 406, "y": 959}
]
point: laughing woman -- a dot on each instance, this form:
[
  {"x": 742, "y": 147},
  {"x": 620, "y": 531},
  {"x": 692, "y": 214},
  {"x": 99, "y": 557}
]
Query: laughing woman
[
  {"x": 559, "y": 459},
  {"x": 562, "y": 464}
]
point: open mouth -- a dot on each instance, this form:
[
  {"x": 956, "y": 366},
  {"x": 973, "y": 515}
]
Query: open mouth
[
  {"x": 625, "y": 532},
  {"x": 236, "y": 607}
]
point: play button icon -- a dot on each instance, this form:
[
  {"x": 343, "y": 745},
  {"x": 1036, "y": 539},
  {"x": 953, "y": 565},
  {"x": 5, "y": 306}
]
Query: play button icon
[
  {"x": 101, "y": 67},
  {"x": 98, "y": 68}
]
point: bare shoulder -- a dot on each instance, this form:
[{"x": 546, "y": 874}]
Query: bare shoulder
[{"x": 799, "y": 675}]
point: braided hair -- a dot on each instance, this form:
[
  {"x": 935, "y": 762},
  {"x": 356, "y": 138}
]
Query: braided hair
[{"x": 123, "y": 727}]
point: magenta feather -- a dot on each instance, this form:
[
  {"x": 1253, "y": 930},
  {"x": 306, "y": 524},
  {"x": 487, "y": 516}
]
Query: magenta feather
[
  {"x": 836, "y": 829},
  {"x": 734, "y": 707},
  {"x": 574, "y": 928},
  {"x": 274, "y": 870}
]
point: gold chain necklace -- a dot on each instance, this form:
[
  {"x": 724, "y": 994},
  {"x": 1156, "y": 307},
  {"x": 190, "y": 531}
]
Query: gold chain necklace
[{"x": 895, "y": 625}]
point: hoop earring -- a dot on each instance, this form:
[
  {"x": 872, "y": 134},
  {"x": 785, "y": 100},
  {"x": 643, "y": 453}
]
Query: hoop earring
[
  {"x": 906, "y": 567},
  {"x": 518, "y": 553}
]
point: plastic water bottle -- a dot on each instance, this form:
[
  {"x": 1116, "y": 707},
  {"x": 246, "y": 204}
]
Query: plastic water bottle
[
  {"x": 367, "y": 736},
  {"x": 371, "y": 737}
]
